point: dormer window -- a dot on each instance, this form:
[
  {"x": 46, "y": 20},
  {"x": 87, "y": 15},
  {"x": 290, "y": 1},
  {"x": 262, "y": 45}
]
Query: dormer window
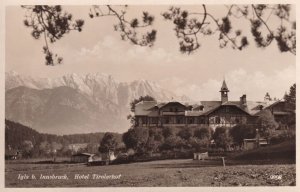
[{"x": 201, "y": 107}]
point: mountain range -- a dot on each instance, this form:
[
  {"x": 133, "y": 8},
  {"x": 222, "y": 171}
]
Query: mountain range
[{"x": 76, "y": 103}]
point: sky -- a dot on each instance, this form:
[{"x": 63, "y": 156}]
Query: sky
[{"x": 99, "y": 49}]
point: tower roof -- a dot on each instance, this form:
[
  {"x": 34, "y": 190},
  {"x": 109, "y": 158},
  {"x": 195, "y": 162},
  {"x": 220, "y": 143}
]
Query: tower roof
[{"x": 224, "y": 87}]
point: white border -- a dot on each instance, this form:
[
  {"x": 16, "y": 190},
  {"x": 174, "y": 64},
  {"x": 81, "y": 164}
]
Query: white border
[{"x": 5, "y": 3}]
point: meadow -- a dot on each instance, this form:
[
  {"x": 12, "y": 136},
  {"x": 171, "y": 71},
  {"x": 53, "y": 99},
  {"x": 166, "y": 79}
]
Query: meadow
[{"x": 163, "y": 173}]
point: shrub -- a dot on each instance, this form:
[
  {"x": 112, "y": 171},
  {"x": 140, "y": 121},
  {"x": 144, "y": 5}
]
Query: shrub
[
  {"x": 167, "y": 132},
  {"x": 185, "y": 133},
  {"x": 241, "y": 132},
  {"x": 203, "y": 132},
  {"x": 284, "y": 136},
  {"x": 222, "y": 137},
  {"x": 199, "y": 144}
]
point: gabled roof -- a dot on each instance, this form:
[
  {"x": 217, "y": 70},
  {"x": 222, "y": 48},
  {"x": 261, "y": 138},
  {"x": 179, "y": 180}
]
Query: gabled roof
[
  {"x": 195, "y": 106},
  {"x": 229, "y": 103},
  {"x": 84, "y": 154},
  {"x": 149, "y": 108},
  {"x": 271, "y": 104},
  {"x": 172, "y": 103},
  {"x": 143, "y": 108},
  {"x": 255, "y": 107},
  {"x": 153, "y": 113},
  {"x": 210, "y": 105}
]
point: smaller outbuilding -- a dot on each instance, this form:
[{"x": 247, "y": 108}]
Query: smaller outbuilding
[
  {"x": 201, "y": 156},
  {"x": 253, "y": 143},
  {"x": 12, "y": 155},
  {"x": 81, "y": 157}
]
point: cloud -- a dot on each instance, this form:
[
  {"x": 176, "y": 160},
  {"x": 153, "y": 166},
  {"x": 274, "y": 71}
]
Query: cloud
[
  {"x": 98, "y": 50},
  {"x": 110, "y": 48},
  {"x": 185, "y": 75},
  {"x": 254, "y": 85}
]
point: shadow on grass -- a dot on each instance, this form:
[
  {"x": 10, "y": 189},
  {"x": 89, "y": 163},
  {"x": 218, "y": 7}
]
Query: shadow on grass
[
  {"x": 51, "y": 162},
  {"x": 228, "y": 162},
  {"x": 38, "y": 162},
  {"x": 261, "y": 162},
  {"x": 191, "y": 164}
]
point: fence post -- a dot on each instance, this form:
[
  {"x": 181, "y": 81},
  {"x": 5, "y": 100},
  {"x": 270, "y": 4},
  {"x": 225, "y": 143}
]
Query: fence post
[{"x": 223, "y": 160}]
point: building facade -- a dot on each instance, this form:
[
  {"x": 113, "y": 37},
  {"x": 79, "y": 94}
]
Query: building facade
[{"x": 203, "y": 113}]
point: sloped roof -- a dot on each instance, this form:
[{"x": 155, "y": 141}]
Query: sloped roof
[
  {"x": 229, "y": 103},
  {"x": 253, "y": 106},
  {"x": 210, "y": 105},
  {"x": 173, "y": 102},
  {"x": 143, "y": 108},
  {"x": 195, "y": 106},
  {"x": 148, "y": 108},
  {"x": 153, "y": 113},
  {"x": 83, "y": 154},
  {"x": 272, "y": 103}
]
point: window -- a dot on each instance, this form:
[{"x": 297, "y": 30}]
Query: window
[
  {"x": 191, "y": 120},
  {"x": 201, "y": 108},
  {"x": 140, "y": 121},
  {"x": 202, "y": 120},
  {"x": 153, "y": 120},
  {"x": 217, "y": 120},
  {"x": 211, "y": 120},
  {"x": 144, "y": 120},
  {"x": 244, "y": 120},
  {"x": 227, "y": 109},
  {"x": 237, "y": 120},
  {"x": 167, "y": 120},
  {"x": 176, "y": 109},
  {"x": 179, "y": 120}
]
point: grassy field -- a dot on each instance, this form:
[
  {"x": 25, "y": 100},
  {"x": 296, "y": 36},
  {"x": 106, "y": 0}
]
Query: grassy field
[
  {"x": 285, "y": 150},
  {"x": 148, "y": 174}
]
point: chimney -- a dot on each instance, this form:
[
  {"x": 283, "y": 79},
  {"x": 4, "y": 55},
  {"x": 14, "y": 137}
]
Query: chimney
[{"x": 243, "y": 100}]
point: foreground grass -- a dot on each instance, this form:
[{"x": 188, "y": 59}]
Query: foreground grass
[{"x": 156, "y": 173}]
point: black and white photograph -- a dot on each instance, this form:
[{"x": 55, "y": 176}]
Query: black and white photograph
[{"x": 169, "y": 94}]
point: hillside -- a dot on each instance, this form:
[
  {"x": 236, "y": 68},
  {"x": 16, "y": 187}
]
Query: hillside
[
  {"x": 285, "y": 150},
  {"x": 16, "y": 134},
  {"x": 62, "y": 110},
  {"x": 75, "y": 103}
]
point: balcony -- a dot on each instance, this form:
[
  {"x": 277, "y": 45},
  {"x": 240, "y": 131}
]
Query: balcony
[{"x": 173, "y": 113}]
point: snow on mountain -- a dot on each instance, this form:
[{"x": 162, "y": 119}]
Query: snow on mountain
[
  {"x": 66, "y": 104},
  {"x": 99, "y": 86}
]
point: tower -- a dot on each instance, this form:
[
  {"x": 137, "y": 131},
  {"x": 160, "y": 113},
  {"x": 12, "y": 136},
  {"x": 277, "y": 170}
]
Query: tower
[
  {"x": 267, "y": 97},
  {"x": 224, "y": 92}
]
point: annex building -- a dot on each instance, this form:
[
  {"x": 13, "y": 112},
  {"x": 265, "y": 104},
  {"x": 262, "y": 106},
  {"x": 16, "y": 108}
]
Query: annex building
[{"x": 207, "y": 113}]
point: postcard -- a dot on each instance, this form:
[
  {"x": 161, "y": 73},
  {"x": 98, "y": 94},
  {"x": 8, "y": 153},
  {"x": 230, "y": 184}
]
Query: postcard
[{"x": 151, "y": 95}]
